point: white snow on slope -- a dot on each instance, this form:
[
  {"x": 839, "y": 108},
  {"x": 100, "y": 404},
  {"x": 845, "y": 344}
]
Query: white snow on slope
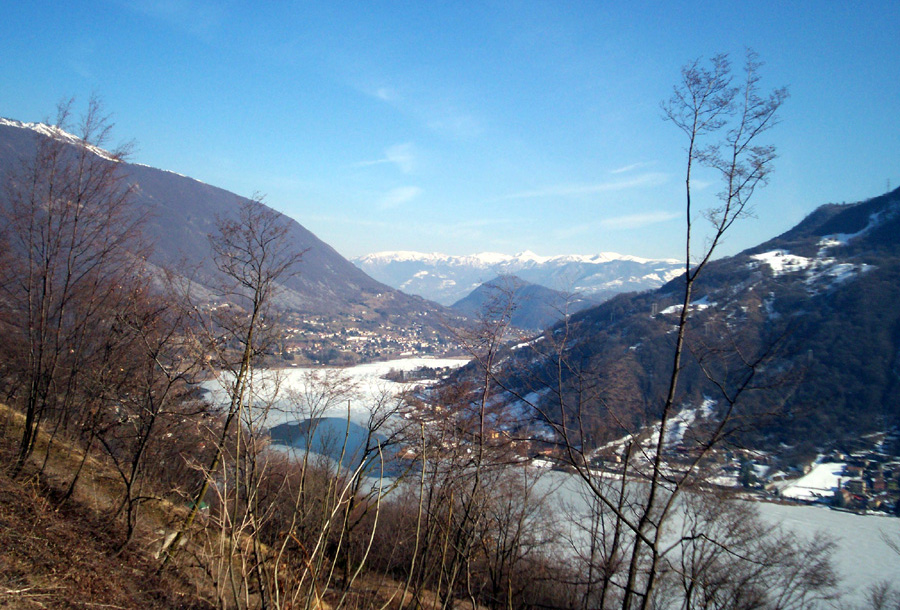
[
  {"x": 875, "y": 219},
  {"x": 676, "y": 428},
  {"x": 817, "y": 270},
  {"x": 55, "y": 132},
  {"x": 698, "y": 305},
  {"x": 820, "y": 482},
  {"x": 685, "y": 418},
  {"x": 782, "y": 261}
]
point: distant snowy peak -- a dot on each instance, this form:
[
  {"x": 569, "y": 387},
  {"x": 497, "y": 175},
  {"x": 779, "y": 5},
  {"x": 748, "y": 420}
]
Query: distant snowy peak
[
  {"x": 56, "y": 133},
  {"x": 495, "y": 258},
  {"x": 432, "y": 258},
  {"x": 446, "y": 278}
]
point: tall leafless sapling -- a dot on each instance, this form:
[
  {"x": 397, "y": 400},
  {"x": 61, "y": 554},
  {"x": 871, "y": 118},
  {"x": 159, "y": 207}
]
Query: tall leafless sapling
[
  {"x": 73, "y": 243},
  {"x": 254, "y": 255},
  {"x": 723, "y": 121}
]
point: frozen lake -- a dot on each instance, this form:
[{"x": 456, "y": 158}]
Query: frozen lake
[
  {"x": 329, "y": 391},
  {"x": 862, "y": 557}
]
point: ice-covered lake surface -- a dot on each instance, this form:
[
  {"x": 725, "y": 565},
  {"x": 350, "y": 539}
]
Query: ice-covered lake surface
[
  {"x": 862, "y": 557},
  {"x": 332, "y": 389}
]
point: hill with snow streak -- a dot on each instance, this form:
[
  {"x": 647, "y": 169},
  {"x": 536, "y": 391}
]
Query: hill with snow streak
[
  {"x": 446, "y": 279},
  {"x": 804, "y": 328}
]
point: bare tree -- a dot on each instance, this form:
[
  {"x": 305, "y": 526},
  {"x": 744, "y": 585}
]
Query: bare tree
[
  {"x": 152, "y": 400},
  {"x": 474, "y": 532},
  {"x": 725, "y": 556},
  {"x": 253, "y": 255},
  {"x": 885, "y": 595},
  {"x": 702, "y": 105},
  {"x": 73, "y": 240},
  {"x": 723, "y": 120}
]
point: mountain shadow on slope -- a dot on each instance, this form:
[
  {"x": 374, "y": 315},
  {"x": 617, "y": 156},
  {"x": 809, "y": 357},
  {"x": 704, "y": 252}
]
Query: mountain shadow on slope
[{"x": 181, "y": 213}]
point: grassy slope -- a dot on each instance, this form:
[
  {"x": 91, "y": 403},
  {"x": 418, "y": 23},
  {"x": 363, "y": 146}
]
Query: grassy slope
[{"x": 67, "y": 556}]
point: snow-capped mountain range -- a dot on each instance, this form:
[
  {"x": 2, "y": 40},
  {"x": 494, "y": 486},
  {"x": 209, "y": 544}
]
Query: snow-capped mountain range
[{"x": 446, "y": 279}]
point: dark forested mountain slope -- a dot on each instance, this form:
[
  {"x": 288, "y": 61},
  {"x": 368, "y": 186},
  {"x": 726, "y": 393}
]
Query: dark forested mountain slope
[{"x": 816, "y": 308}]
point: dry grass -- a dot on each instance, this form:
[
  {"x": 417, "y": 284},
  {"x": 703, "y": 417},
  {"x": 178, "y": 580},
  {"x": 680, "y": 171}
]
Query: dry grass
[{"x": 67, "y": 555}]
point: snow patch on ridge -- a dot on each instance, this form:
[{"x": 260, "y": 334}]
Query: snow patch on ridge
[
  {"x": 52, "y": 131},
  {"x": 875, "y": 219},
  {"x": 676, "y": 428},
  {"x": 782, "y": 261},
  {"x": 698, "y": 305},
  {"x": 819, "y": 270}
]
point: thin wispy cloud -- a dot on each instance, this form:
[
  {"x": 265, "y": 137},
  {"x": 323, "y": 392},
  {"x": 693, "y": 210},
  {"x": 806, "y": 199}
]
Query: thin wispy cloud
[
  {"x": 580, "y": 190},
  {"x": 349, "y": 219},
  {"x": 399, "y": 196},
  {"x": 574, "y": 231},
  {"x": 457, "y": 125},
  {"x": 201, "y": 18},
  {"x": 632, "y": 167},
  {"x": 81, "y": 67},
  {"x": 81, "y": 56},
  {"x": 385, "y": 94},
  {"x": 401, "y": 155},
  {"x": 616, "y": 223},
  {"x": 415, "y": 226},
  {"x": 445, "y": 113},
  {"x": 637, "y": 221},
  {"x": 481, "y": 222}
]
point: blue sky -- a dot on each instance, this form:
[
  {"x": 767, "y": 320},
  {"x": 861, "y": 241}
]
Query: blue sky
[{"x": 462, "y": 127}]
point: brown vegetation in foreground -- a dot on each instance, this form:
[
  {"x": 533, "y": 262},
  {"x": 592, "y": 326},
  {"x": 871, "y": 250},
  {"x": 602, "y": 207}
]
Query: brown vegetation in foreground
[{"x": 67, "y": 554}]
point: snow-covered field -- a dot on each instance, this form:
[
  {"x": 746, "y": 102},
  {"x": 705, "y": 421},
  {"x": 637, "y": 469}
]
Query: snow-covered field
[
  {"x": 820, "y": 482},
  {"x": 782, "y": 261},
  {"x": 822, "y": 269}
]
